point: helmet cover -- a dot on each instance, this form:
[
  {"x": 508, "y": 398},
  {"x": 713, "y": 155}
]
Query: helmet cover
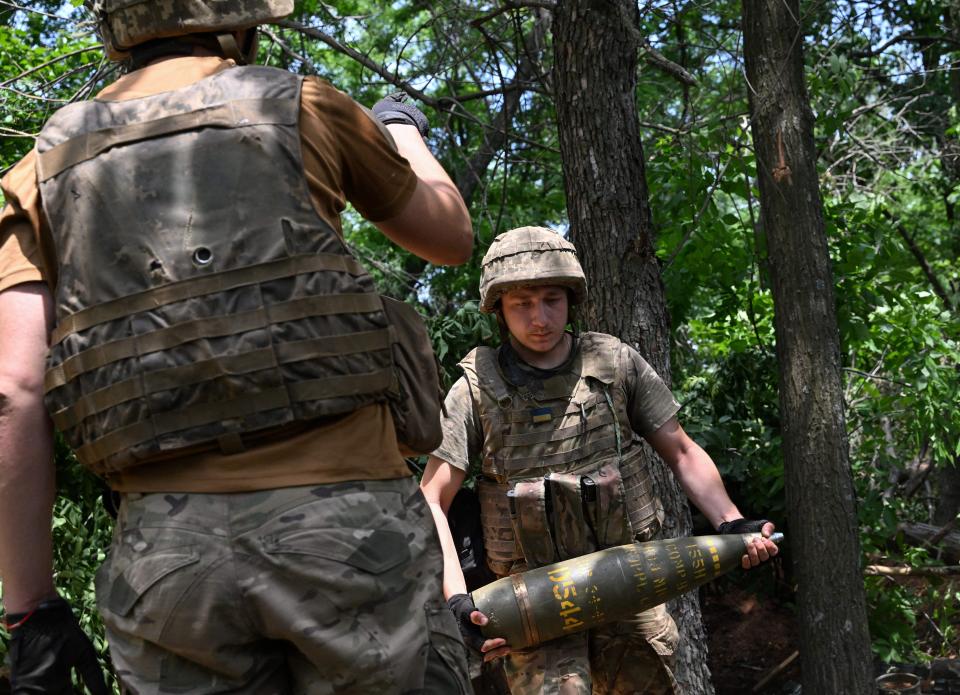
[
  {"x": 529, "y": 256},
  {"x": 124, "y": 24}
]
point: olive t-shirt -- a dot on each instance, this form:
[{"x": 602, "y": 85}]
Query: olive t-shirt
[
  {"x": 347, "y": 156},
  {"x": 649, "y": 406}
]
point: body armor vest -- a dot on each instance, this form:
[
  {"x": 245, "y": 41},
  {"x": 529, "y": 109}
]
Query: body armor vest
[
  {"x": 200, "y": 298},
  {"x": 566, "y": 445}
]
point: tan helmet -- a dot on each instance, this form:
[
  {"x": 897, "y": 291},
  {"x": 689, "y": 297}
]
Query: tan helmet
[
  {"x": 529, "y": 256},
  {"x": 124, "y": 24}
]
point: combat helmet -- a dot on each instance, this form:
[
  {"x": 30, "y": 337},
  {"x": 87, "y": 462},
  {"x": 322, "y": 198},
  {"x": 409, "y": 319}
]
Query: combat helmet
[
  {"x": 124, "y": 24},
  {"x": 529, "y": 256}
]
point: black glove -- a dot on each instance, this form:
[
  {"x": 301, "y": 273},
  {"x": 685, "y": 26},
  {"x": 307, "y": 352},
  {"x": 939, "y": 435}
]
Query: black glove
[
  {"x": 462, "y": 605},
  {"x": 742, "y": 526},
  {"x": 392, "y": 109},
  {"x": 45, "y": 645}
]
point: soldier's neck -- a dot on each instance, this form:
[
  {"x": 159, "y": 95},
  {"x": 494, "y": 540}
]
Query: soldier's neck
[{"x": 550, "y": 359}]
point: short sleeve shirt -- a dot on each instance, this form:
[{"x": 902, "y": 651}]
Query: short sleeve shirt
[
  {"x": 347, "y": 156},
  {"x": 649, "y": 404}
]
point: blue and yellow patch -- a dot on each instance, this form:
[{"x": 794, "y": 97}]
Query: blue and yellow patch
[{"x": 541, "y": 414}]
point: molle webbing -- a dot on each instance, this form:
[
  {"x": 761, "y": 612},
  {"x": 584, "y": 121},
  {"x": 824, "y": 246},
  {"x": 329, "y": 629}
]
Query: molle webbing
[
  {"x": 201, "y": 301},
  {"x": 86, "y": 146},
  {"x": 575, "y": 423},
  {"x": 221, "y": 282}
]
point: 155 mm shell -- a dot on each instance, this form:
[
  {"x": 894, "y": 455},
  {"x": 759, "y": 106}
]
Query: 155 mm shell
[{"x": 609, "y": 585}]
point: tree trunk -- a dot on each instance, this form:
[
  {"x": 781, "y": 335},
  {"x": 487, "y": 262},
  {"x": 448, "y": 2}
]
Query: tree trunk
[
  {"x": 821, "y": 504},
  {"x": 596, "y": 46}
]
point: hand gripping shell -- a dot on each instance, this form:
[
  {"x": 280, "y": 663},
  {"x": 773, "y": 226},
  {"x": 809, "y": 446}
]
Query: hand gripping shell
[{"x": 539, "y": 605}]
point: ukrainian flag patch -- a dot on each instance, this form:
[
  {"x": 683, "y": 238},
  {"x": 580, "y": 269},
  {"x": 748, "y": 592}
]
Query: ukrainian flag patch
[{"x": 541, "y": 414}]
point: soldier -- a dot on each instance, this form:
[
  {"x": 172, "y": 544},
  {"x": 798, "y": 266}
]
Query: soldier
[
  {"x": 555, "y": 418},
  {"x": 218, "y": 356}
]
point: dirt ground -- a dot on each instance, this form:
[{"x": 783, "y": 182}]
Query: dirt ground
[{"x": 748, "y": 637}]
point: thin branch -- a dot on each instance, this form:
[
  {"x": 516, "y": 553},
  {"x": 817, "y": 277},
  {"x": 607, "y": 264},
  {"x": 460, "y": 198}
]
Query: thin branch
[
  {"x": 885, "y": 570},
  {"x": 922, "y": 260},
  {"x": 53, "y": 61},
  {"x": 360, "y": 58},
  {"x": 869, "y": 375},
  {"x": 507, "y": 6},
  {"x": 289, "y": 51},
  {"x": 906, "y": 36},
  {"x": 657, "y": 59}
]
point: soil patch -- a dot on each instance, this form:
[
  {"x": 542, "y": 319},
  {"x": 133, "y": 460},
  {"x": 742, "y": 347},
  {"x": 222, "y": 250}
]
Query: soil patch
[{"x": 748, "y": 636}]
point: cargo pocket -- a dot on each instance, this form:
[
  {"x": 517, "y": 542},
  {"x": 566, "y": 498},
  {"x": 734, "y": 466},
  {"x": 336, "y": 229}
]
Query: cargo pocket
[
  {"x": 123, "y": 581},
  {"x": 446, "y": 668}
]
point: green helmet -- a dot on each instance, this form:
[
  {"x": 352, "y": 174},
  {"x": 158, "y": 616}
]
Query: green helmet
[
  {"x": 124, "y": 24},
  {"x": 529, "y": 256}
]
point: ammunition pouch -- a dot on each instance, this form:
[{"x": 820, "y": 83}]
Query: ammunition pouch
[
  {"x": 530, "y": 511},
  {"x": 644, "y": 510},
  {"x": 417, "y": 404},
  {"x": 605, "y": 502},
  {"x": 499, "y": 540},
  {"x": 564, "y": 515}
]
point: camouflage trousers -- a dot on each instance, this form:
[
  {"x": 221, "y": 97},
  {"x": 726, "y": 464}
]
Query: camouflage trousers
[
  {"x": 625, "y": 658},
  {"x": 319, "y": 589}
]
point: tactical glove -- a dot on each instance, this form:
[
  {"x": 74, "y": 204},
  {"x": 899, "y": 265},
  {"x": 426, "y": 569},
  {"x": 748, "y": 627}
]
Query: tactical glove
[
  {"x": 742, "y": 526},
  {"x": 392, "y": 109},
  {"x": 462, "y": 605},
  {"x": 45, "y": 644}
]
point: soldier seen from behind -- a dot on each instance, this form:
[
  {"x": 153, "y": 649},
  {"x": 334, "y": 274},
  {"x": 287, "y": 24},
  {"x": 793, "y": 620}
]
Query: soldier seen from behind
[
  {"x": 176, "y": 293},
  {"x": 555, "y": 419}
]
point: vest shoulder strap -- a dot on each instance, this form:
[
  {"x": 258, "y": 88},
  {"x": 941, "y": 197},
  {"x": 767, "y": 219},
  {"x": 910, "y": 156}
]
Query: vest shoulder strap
[
  {"x": 481, "y": 370},
  {"x": 600, "y": 354}
]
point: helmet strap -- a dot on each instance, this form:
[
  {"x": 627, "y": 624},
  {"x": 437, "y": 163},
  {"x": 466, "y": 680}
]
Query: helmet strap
[{"x": 230, "y": 49}]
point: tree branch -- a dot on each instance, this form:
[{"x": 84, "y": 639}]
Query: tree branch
[
  {"x": 360, "y": 58},
  {"x": 884, "y": 570},
  {"x": 922, "y": 260},
  {"x": 53, "y": 61},
  {"x": 654, "y": 57}
]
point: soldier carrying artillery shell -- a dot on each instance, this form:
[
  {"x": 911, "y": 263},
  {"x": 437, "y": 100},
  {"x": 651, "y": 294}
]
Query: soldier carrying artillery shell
[{"x": 555, "y": 418}]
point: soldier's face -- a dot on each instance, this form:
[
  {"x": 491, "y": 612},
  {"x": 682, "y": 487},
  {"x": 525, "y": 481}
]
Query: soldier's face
[{"x": 536, "y": 316}]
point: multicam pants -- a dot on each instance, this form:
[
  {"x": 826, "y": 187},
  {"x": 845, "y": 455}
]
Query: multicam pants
[
  {"x": 320, "y": 589},
  {"x": 626, "y": 658}
]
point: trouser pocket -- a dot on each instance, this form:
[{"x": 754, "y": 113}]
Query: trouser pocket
[{"x": 446, "y": 668}]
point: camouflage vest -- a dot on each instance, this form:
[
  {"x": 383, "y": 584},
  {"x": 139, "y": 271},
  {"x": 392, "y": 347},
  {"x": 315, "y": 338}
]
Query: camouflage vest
[
  {"x": 200, "y": 299},
  {"x": 559, "y": 460}
]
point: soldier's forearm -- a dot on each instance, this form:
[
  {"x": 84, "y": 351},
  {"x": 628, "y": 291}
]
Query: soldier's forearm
[
  {"x": 26, "y": 503},
  {"x": 26, "y": 449},
  {"x": 453, "y": 581}
]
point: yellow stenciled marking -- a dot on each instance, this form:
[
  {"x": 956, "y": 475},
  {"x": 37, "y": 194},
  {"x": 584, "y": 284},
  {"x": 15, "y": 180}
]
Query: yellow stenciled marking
[
  {"x": 565, "y": 591},
  {"x": 673, "y": 552},
  {"x": 660, "y": 585},
  {"x": 697, "y": 563},
  {"x": 636, "y": 565},
  {"x": 715, "y": 556}
]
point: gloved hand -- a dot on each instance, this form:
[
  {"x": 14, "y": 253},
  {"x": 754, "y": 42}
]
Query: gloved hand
[
  {"x": 761, "y": 549},
  {"x": 462, "y": 605},
  {"x": 393, "y": 109},
  {"x": 742, "y": 526},
  {"x": 45, "y": 644}
]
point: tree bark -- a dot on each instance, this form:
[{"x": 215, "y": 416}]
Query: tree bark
[
  {"x": 821, "y": 504},
  {"x": 596, "y": 44}
]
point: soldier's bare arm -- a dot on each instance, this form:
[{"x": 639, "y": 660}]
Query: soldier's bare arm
[
  {"x": 435, "y": 224},
  {"x": 439, "y": 486},
  {"x": 698, "y": 476},
  {"x": 26, "y": 449}
]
